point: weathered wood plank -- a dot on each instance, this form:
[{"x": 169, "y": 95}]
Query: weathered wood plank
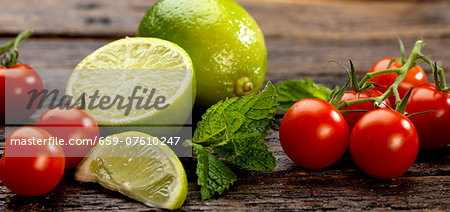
[
  {"x": 286, "y": 57},
  {"x": 335, "y": 20},
  {"x": 301, "y": 37},
  {"x": 293, "y": 194},
  {"x": 54, "y": 58},
  {"x": 340, "y": 186}
]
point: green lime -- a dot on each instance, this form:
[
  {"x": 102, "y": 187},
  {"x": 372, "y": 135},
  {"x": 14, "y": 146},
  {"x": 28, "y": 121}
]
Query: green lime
[
  {"x": 118, "y": 68},
  {"x": 225, "y": 43},
  {"x": 151, "y": 174}
]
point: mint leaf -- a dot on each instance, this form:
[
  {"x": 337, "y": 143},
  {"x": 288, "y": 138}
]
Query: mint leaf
[
  {"x": 213, "y": 125},
  {"x": 292, "y": 91},
  {"x": 213, "y": 175},
  {"x": 236, "y": 128},
  {"x": 247, "y": 150}
]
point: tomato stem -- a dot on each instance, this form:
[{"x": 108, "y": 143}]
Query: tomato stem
[
  {"x": 6, "y": 47},
  {"x": 438, "y": 72},
  {"x": 371, "y": 75},
  {"x": 401, "y": 73},
  {"x": 11, "y": 59}
]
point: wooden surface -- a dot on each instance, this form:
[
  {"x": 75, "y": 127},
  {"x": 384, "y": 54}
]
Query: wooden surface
[{"x": 301, "y": 37}]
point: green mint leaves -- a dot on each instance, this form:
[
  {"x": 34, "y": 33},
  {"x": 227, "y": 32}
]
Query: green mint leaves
[
  {"x": 235, "y": 129},
  {"x": 248, "y": 151},
  {"x": 292, "y": 91},
  {"x": 213, "y": 174}
]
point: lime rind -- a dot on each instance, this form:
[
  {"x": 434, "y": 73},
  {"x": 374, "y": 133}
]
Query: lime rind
[{"x": 223, "y": 40}]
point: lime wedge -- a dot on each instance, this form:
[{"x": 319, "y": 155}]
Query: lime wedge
[
  {"x": 151, "y": 174},
  {"x": 118, "y": 68}
]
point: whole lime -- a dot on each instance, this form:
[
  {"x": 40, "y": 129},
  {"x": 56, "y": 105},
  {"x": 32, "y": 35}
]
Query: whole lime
[{"x": 225, "y": 43}]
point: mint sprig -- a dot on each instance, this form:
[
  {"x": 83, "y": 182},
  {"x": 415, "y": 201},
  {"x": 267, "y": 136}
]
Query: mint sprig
[
  {"x": 292, "y": 91},
  {"x": 235, "y": 129},
  {"x": 213, "y": 174}
]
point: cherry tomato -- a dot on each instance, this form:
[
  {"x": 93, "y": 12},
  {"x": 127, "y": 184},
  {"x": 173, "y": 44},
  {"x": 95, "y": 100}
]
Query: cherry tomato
[
  {"x": 78, "y": 129},
  {"x": 16, "y": 83},
  {"x": 34, "y": 169},
  {"x": 433, "y": 127},
  {"x": 352, "y": 117},
  {"x": 415, "y": 77},
  {"x": 384, "y": 143},
  {"x": 313, "y": 133}
]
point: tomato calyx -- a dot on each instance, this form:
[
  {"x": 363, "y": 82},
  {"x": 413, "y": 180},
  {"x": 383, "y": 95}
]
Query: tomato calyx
[
  {"x": 401, "y": 108},
  {"x": 353, "y": 80},
  {"x": 337, "y": 95},
  {"x": 10, "y": 59}
]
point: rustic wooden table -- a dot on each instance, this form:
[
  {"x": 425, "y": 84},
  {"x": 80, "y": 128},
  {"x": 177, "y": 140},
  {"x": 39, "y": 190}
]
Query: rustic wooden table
[{"x": 301, "y": 37}]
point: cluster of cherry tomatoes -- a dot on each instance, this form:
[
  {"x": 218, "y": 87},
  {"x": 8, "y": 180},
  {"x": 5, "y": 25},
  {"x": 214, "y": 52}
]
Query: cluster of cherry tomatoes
[
  {"x": 33, "y": 170},
  {"x": 384, "y": 143}
]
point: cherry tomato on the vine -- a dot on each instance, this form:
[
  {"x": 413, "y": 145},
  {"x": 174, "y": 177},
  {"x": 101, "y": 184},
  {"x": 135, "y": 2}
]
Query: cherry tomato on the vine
[
  {"x": 313, "y": 133},
  {"x": 78, "y": 129},
  {"x": 33, "y": 169},
  {"x": 415, "y": 77},
  {"x": 352, "y": 117},
  {"x": 384, "y": 143},
  {"x": 16, "y": 82},
  {"x": 433, "y": 127}
]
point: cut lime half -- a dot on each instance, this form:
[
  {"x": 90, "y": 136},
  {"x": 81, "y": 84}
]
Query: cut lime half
[
  {"x": 151, "y": 174},
  {"x": 141, "y": 66}
]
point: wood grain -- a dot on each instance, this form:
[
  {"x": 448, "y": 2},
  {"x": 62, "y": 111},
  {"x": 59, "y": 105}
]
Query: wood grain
[
  {"x": 287, "y": 58},
  {"x": 335, "y": 20},
  {"x": 339, "y": 187},
  {"x": 301, "y": 36}
]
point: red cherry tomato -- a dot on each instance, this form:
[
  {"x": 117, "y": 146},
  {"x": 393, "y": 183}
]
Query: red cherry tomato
[
  {"x": 78, "y": 129},
  {"x": 31, "y": 170},
  {"x": 352, "y": 117},
  {"x": 384, "y": 143},
  {"x": 433, "y": 127},
  {"x": 16, "y": 83},
  {"x": 313, "y": 133},
  {"x": 415, "y": 77}
]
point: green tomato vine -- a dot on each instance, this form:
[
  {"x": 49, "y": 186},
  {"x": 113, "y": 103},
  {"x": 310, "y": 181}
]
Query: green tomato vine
[
  {"x": 10, "y": 60},
  {"x": 438, "y": 79}
]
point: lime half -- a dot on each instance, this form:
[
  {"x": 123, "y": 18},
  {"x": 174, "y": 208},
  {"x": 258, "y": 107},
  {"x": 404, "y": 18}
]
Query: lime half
[
  {"x": 151, "y": 174},
  {"x": 149, "y": 68}
]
